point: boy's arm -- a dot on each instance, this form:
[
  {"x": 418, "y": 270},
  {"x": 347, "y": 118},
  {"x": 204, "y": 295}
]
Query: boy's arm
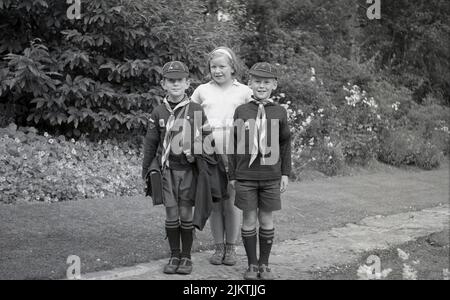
[
  {"x": 285, "y": 145},
  {"x": 151, "y": 143}
]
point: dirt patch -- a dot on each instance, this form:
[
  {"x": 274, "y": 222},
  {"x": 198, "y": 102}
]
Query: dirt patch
[{"x": 427, "y": 258}]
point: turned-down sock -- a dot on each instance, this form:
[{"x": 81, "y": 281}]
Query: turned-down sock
[
  {"x": 249, "y": 240},
  {"x": 173, "y": 234},
  {"x": 265, "y": 245},
  {"x": 187, "y": 238}
]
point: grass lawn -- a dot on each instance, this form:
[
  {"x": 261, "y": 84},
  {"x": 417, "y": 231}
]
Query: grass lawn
[{"x": 36, "y": 238}]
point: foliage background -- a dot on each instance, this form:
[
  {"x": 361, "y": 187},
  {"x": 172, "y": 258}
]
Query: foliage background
[{"x": 356, "y": 90}]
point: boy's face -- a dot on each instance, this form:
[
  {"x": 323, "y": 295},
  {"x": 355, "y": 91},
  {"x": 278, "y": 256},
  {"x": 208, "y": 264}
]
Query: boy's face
[
  {"x": 262, "y": 87},
  {"x": 175, "y": 87}
]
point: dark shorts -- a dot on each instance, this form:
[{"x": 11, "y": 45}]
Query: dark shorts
[
  {"x": 261, "y": 194},
  {"x": 176, "y": 187}
]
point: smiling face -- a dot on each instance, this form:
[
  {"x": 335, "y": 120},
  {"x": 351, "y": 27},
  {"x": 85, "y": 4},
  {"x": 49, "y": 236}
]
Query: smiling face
[
  {"x": 221, "y": 70},
  {"x": 262, "y": 87},
  {"x": 175, "y": 88}
]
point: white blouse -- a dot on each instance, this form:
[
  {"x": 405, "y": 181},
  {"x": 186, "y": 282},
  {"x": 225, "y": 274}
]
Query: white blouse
[{"x": 219, "y": 104}]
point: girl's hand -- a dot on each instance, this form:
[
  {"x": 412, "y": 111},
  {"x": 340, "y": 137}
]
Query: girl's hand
[{"x": 284, "y": 183}]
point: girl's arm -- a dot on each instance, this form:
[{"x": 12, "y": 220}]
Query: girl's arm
[{"x": 196, "y": 96}]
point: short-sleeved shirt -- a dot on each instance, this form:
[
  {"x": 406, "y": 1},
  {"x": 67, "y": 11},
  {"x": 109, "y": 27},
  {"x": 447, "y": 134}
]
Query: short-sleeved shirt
[{"x": 219, "y": 105}]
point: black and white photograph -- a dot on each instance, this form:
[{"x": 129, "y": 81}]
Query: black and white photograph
[{"x": 224, "y": 145}]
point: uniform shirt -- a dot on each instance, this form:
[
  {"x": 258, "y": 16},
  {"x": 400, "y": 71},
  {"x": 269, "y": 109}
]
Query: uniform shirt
[
  {"x": 153, "y": 141},
  {"x": 279, "y": 143},
  {"x": 219, "y": 105}
]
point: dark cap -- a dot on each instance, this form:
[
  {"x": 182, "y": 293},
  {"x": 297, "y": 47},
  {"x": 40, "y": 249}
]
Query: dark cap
[
  {"x": 175, "y": 70},
  {"x": 264, "y": 70}
]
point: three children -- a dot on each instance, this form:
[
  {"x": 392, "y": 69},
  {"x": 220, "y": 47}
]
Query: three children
[{"x": 258, "y": 160}]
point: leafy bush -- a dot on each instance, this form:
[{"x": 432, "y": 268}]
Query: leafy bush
[
  {"x": 359, "y": 122},
  {"x": 428, "y": 156},
  {"x": 46, "y": 168},
  {"x": 406, "y": 147},
  {"x": 100, "y": 73}
]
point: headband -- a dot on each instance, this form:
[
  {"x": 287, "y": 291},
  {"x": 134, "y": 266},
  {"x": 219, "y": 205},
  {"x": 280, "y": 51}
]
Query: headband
[{"x": 223, "y": 51}]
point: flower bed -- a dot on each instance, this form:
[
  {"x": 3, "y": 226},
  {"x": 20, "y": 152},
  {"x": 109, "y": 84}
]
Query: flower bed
[{"x": 51, "y": 169}]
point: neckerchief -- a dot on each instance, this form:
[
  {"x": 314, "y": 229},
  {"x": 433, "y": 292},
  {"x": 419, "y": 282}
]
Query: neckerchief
[
  {"x": 170, "y": 122},
  {"x": 259, "y": 142}
]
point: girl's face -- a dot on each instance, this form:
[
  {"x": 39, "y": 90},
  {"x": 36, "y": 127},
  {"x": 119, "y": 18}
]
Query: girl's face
[{"x": 221, "y": 70}]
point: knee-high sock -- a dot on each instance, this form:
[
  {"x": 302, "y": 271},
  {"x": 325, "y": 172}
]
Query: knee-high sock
[
  {"x": 187, "y": 238},
  {"x": 249, "y": 240},
  {"x": 265, "y": 245},
  {"x": 173, "y": 234}
]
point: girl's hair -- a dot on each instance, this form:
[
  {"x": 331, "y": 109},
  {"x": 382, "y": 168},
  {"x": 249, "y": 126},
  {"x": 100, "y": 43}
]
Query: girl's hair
[{"x": 229, "y": 54}]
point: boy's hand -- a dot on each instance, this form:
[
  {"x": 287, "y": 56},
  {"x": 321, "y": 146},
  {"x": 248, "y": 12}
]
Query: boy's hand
[
  {"x": 190, "y": 158},
  {"x": 284, "y": 183},
  {"x": 232, "y": 183}
]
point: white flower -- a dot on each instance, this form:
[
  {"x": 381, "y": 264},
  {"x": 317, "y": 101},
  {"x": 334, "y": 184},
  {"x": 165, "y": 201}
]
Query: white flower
[
  {"x": 320, "y": 110},
  {"x": 51, "y": 141},
  {"x": 17, "y": 140},
  {"x": 409, "y": 273},
  {"x": 395, "y": 105},
  {"x": 402, "y": 254},
  {"x": 72, "y": 140},
  {"x": 46, "y": 134},
  {"x": 313, "y": 71},
  {"x": 74, "y": 152},
  {"x": 313, "y": 159},
  {"x": 282, "y": 95}
]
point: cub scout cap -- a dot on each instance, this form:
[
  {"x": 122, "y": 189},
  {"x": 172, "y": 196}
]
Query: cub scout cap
[
  {"x": 175, "y": 70},
  {"x": 264, "y": 70}
]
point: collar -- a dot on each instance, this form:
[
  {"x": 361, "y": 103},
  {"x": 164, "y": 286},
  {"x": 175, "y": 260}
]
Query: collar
[
  {"x": 265, "y": 102},
  {"x": 234, "y": 83},
  {"x": 182, "y": 103}
]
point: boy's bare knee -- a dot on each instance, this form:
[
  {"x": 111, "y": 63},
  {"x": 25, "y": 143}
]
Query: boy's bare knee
[
  {"x": 265, "y": 219},
  {"x": 172, "y": 213},
  {"x": 186, "y": 214},
  {"x": 249, "y": 220}
]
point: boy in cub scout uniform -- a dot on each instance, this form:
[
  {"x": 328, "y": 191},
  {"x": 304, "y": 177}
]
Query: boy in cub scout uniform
[
  {"x": 259, "y": 166},
  {"x": 170, "y": 141}
]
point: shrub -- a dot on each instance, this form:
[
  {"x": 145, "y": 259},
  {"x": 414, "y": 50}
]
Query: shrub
[
  {"x": 407, "y": 147},
  {"x": 100, "y": 73},
  {"x": 398, "y": 147},
  {"x": 47, "y": 168},
  {"x": 359, "y": 122},
  {"x": 428, "y": 156}
]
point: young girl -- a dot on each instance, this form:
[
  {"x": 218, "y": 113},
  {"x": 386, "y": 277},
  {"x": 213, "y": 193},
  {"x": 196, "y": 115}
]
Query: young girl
[{"x": 219, "y": 99}]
